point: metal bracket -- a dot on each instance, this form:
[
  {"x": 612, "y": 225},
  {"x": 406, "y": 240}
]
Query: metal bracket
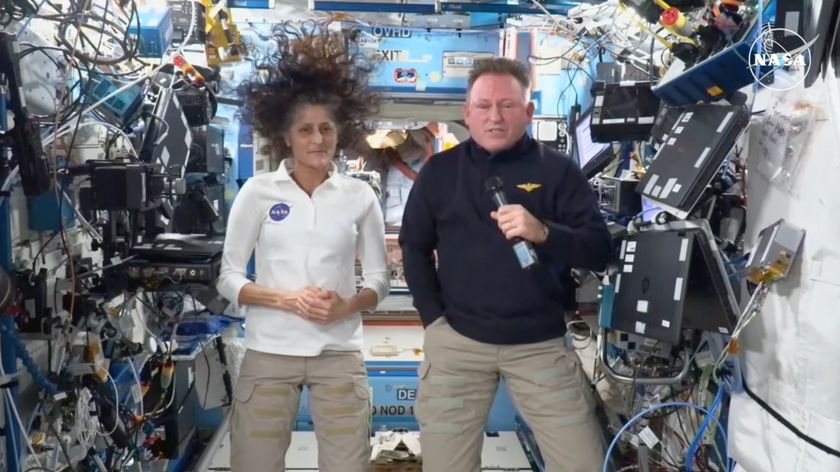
[{"x": 602, "y": 348}]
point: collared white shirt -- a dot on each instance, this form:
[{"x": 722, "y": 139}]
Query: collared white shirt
[{"x": 301, "y": 241}]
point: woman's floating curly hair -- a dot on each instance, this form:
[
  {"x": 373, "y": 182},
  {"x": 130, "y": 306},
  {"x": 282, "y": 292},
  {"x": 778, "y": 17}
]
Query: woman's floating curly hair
[{"x": 315, "y": 66}]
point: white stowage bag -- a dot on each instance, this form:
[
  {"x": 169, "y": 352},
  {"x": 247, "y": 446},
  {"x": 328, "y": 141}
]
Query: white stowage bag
[
  {"x": 791, "y": 348},
  {"x": 235, "y": 351},
  {"x": 395, "y": 447}
]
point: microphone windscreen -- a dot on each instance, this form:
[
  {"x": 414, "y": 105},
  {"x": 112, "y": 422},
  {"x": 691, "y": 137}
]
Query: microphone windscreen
[{"x": 493, "y": 184}]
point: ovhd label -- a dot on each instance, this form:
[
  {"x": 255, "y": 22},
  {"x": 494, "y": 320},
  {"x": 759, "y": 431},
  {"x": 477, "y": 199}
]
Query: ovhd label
[{"x": 390, "y": 32}]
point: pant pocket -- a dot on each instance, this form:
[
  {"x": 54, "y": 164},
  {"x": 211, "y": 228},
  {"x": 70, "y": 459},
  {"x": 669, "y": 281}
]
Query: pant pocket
[
  {"x": 243, "y": 391},
  {"x": 261, "y": 424},
  {"x": 423, "y": 370},
  {"x": 362, "y": 388},
  {"x": 552, "y": 380},
  {"x": 448, "y": 402}
]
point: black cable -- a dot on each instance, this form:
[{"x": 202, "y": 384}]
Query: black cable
[
  {"x": 59, "y": 191},
  {"x": 781, "y": 419},
  {"x": 173, "y": 301},
  {"x": 667, "y": 398},
  {"x": 149, "y": 304},
  {"x": 684, "y": 438},
  {"x": 128, "y": 40},
  {"x": 572, "y": 77},
  {"x": 129, "y": 46},
  {"x": 68, "y": 109},
  {"x": 650, "y": 66},
  {"x": 105, "y": 15},
  {"x": 207, "y": 387},
  {"x": 63, "y": 447},
  {"x": 41, "y": 249}
]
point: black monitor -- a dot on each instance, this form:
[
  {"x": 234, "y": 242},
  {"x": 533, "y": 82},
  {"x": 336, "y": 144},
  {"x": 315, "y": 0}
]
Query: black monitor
[
  {"x": 623, "y": 111},
  {"x": 681, "y": 174},
  {"x": 168, "y": 136},
  {"x": 670, "y": 279},
  {"x": 592, "y": 157}
]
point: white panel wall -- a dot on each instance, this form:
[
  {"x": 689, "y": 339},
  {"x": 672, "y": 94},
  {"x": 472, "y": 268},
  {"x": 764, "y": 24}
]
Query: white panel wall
[{"x": 793, "y": 346}]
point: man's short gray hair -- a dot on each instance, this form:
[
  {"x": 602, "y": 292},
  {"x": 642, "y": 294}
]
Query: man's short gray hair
[{"x": 500, "y": 66}]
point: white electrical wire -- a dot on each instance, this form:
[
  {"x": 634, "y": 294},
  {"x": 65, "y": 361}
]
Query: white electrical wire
[
  {"x": 628, "y": 468},
  {"x": 190, "y": 30},
  {"x": 750, "y": 311},
  {"x": 16, "y": 414},
  {"x": 139, "y": 387},
  {"x": 142, "y": 320},
  {"x": 172, "y": 387},
  {"x": 22, "y": 428},
  {"x": 58, "y": 105},
  {"x": 116, "y": 406},
  {"x": 553, "y": 18},
  {"x": 84, "y": 428},
  {"x": 67, "y": 127},
  {"x": 111, "y": 127},
  {"x": 88, "y": 227},
  {"x": 11, "y": 179},
  {"x": 64, "y": 129}
]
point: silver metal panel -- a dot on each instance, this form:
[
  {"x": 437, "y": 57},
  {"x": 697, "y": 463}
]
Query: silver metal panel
[
  {"x": 303, "y": 451},
  {"x": 301, "y": 456},
  {"x": 503, "y": 453}
]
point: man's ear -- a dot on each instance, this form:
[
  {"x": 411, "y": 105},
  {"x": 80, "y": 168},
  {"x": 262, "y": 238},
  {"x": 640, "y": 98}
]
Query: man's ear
[{"x": 530, "y": 109}]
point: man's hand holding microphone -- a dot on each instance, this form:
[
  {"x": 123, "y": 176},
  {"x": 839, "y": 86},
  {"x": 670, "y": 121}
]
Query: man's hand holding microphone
[{"x": 516, "y": 223}]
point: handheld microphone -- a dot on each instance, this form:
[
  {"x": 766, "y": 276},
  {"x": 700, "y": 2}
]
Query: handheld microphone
[{"x": 524, "y": 250}]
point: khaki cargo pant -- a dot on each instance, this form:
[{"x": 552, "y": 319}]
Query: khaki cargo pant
[
  {"x": 266, "y": 401},
  {"x": 458, "y": 382}
]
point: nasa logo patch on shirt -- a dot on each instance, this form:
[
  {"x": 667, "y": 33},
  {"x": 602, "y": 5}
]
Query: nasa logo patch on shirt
[{"x": 279, "y": 212}]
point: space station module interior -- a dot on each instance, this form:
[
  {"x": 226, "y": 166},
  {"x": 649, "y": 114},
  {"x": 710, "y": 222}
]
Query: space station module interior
[{"x": 708, "y": 132}]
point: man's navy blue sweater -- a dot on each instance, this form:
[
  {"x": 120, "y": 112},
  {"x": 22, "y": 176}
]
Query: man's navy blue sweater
[{"x": 478, "y": 283}]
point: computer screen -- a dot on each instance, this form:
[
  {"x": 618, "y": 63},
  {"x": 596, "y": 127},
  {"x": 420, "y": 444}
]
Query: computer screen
[
  {"x": 168, "y": 136},
  {"x": 628, "y": 102},
  {"x": 590, "y": 155},
  {"x": 683, "y": 259}
]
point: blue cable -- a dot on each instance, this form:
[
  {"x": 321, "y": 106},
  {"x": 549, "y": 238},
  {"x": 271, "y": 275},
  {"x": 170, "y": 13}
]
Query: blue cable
[
  {"x": 695, "y": 444},
  {"x": 650, "y": 410},
  {"x": 28, "y": 362},
  {"x": 733, "y": 382}
]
